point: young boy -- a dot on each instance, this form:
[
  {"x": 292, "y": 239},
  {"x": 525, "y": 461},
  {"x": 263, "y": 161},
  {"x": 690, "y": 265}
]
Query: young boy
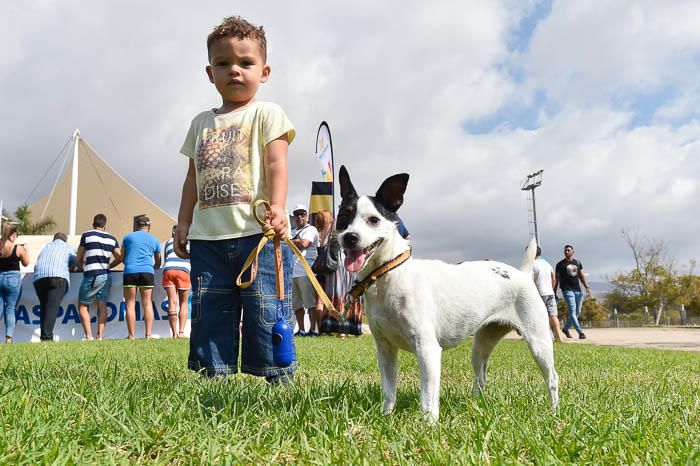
[{"x": 238, "y": 153}]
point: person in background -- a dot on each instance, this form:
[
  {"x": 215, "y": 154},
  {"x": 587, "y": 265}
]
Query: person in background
[
  {"x": 141, "y": 258},
  {"x": 305, "y": 238},
  {"x": 323, "y": 221},
  {"x": 98, "y": 252},
  {"x": 543, "y": 274},
  {"x": 176, "y": 282},
  {"x": 11, "y": 255},
  {"x": 51, "y": 281},
  {"x": 403, "y": 231},
  {"x": 567, "y": 274}
]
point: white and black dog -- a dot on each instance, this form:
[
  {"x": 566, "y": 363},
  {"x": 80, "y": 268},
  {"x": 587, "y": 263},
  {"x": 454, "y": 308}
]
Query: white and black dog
[{"x": 425, "y": 306}]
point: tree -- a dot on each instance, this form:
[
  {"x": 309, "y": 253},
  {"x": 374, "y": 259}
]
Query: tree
[
  {"x": 690, "y": 291},
  {"x": 654, "y": 282},
  {"x": 25, "y": 226}
]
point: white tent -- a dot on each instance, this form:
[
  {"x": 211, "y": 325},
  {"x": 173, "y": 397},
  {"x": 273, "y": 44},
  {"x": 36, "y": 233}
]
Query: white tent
[{"x": 90, "y": 186}]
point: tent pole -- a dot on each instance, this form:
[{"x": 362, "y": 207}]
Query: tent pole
[{"x": 74, "y": 186}]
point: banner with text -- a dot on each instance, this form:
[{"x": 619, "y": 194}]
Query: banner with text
[{"x": 68, "y": 325}]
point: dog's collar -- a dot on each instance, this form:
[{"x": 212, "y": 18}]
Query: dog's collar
[{"x": 360, "y": 287}]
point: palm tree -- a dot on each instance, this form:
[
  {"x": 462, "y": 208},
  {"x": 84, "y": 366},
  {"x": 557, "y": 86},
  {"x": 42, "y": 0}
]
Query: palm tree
[{"x": 25, "y": 226}]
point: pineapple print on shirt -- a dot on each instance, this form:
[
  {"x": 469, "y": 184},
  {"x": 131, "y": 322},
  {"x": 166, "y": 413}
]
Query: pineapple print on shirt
[{"x": 223, "y": 163}]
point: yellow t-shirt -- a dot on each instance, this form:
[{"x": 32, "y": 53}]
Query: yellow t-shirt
[{"x": 228, "y": 154}]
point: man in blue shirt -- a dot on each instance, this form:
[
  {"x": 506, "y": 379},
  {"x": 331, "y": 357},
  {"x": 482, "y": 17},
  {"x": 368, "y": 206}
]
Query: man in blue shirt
[
  {"x": 51, "y": 281},
  {"x": 141, "y": 258}
]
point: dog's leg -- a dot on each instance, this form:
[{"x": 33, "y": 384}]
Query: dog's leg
[
  {"x": 485, "y": 340},
  {"x": 429, "y": 360},
  {"x": 542, "y": 350},
  {"x": 388, "y": 359}
]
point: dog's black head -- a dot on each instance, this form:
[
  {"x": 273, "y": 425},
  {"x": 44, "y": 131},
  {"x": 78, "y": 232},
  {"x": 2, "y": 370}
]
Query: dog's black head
[
  {"x": 365, "y": 222},
  {"x": 387, "y": 200}
]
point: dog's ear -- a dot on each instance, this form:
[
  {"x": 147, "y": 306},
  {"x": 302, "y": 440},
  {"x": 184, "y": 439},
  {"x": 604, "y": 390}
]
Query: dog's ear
[
  {"x": 347, "y": 190},
  {"x": 390, "y": 193}
]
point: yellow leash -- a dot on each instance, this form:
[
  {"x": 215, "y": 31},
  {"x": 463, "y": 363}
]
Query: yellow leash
[{"x": 252, "y": 260}]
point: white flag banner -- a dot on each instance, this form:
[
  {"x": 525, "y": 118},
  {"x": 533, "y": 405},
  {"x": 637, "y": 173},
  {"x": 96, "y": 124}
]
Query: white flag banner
[
  {"x": 68, "y": 325},
  {"x": 324, "y": 151}
]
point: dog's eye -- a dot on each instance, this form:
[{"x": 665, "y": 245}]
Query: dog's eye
[{"x": 373, "y": 220}]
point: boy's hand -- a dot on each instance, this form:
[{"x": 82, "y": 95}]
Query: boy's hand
[
  {"x": 180, "y": 240},
  {"x": 278, "y": 220}
]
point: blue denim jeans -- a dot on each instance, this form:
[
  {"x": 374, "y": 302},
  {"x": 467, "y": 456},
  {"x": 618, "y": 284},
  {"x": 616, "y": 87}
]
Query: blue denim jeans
[
  {"x": 95, "y": 288},
  {"x": 217, "y": 304},
  {"x": 10, "y": 292},
  {"x": 574, "y": 301}
]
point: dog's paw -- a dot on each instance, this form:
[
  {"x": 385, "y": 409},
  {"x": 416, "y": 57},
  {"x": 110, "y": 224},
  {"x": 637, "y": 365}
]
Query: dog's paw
[{"x": 431, "y": 418}]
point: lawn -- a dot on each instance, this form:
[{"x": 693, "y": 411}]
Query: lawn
[{"x": 134, "y": 402}]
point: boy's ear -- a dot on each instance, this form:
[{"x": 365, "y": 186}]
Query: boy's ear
[
  {"x": 211, "y": 76},
  {"x": 265, "y": 73},
  {"x": 347, "y": 190},
  {"x": 390, "y": 193}
]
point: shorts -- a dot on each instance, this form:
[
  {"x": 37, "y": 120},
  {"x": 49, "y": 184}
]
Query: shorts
[
  {"x": 95, "y": 288},
  {"x": 177, "y": 278},
  {"x": 220, "y": 308},
  {"x": 551, "y": 304},
  {"x": 138, "y": 280},
  {"x": 304, "y": 294}
]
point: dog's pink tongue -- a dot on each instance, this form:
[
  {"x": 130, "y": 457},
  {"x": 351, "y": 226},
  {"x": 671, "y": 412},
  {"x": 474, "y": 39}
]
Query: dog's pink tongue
[{"x": 354, "y": 260}]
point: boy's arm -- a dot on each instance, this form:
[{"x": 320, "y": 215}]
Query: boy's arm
[
  {"x": 184, "y": 216},
  {"x": 275, "y": 161}
]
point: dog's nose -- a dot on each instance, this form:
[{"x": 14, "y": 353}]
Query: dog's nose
[{"x": 351, "y": 239}]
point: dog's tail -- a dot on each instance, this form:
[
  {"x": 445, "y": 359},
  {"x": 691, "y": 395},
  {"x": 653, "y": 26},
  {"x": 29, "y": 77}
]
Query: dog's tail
[{"x": 529, "y": 256}]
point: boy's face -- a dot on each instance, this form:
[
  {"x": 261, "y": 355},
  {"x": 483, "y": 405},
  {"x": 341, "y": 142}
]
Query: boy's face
[{"x": 237, "y": 68}]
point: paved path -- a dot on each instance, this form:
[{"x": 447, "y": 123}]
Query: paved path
[{"x": 676, "y": 338}]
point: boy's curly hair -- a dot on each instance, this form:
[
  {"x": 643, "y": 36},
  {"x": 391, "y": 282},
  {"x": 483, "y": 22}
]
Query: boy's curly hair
[{"x": 235, "y": 26}]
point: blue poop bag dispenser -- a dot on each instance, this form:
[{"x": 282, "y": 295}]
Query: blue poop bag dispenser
[{"x": 282, "y": 348}]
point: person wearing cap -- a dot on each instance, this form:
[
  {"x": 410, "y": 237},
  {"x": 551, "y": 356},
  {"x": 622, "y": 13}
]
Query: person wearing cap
[
  {"x": 141, "y": 257},
  {"x": 305, "y": 238}
]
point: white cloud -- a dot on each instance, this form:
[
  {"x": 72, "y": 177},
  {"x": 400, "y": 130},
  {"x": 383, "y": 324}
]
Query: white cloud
[{"x": 597, "y": 50}]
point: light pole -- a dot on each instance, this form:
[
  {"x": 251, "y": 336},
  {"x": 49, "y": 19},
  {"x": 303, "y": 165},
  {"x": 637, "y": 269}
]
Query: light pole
[{"x": 532, "y": 181}]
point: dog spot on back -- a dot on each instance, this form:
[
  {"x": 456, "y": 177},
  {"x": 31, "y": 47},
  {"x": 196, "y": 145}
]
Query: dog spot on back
[{"x": 502, "y": 272}]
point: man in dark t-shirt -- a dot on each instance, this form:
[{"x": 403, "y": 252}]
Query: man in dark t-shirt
[{"x": 567, "y": 274}]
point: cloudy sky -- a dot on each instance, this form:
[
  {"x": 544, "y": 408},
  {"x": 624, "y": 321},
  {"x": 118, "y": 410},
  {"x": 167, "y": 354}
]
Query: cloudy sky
[{"x": 468, "y": 97}]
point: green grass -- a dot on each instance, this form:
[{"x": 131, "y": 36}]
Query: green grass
[{"x": 134, "y": 402}]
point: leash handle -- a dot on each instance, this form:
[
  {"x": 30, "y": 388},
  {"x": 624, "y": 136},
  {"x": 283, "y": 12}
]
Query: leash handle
[{"x": 252, "y": 260}]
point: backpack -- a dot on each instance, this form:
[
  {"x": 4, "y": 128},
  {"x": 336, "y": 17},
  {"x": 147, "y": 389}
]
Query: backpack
[{"x": 328, "y": 255}]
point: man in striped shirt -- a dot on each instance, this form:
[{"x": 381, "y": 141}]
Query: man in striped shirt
[
  {"x": 97, "y": 254},
  {"x": 51, "y": 281}
]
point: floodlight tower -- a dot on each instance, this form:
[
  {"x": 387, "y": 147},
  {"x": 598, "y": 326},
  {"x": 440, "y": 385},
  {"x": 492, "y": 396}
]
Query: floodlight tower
[{"x": 531, "y": 182}]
